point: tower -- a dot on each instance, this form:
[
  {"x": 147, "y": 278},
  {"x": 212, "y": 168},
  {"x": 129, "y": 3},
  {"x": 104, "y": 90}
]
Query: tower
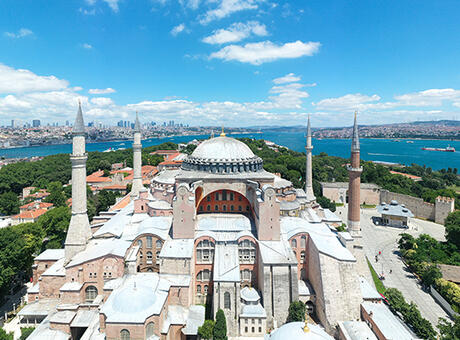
[
  {"x": 308, "y": 168},
  {"x": 354, "y": 185},
  {"x": 137, "y": 159},
  {"x": 79, "y": 231}
]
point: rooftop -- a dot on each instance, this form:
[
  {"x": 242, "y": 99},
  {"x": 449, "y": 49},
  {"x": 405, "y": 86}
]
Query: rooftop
[
  {"x": 50, "y": 255},
  {"x": 394, "y": 209}
]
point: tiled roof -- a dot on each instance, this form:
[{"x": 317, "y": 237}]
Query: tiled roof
[
  {"x": 30, "y": 214},
  {"x": 122, "y": 203},
  {"x": 42, "y": 205},
  {"x": 415, "y": 178}
]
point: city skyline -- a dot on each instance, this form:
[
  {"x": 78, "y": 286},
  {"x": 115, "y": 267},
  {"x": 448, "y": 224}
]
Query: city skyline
[{"x": 231, "y": 62}]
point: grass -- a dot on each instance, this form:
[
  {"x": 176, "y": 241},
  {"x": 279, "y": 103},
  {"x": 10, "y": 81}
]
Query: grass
[
  {"x": 378, "y": 284},
  {"x": 368, "y": 206},
  {"x": 339, "y": 204}
]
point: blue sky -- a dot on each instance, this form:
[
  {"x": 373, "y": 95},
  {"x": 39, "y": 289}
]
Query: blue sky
[{"x": 231, "y": 62}]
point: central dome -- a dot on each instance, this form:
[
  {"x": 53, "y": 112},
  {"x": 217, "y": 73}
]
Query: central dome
[
  {"x": 223, "y": 148},
  {"x": 223, "y": 155}
]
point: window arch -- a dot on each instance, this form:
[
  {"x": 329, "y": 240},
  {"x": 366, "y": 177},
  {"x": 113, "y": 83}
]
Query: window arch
[
  {"x": 204, "y": 275},
  {"x": 149, "y": 257},
  {"x": 303, "y": 241},
  {"x": 205, "y": 251},
  {"x": 139, "y": 243},
  {"x": 227, "y": 300},
  {"x": 149, "y": 241},
  {"x": 141, "y": 255},
  {"x": 247, "y": 251},
  {"x": 150, "y": 330},
  {"x": 302, "y": 256},
  {"x": 157, "y": 257},
  {"x": 124, "y": 334},
  {"x": 246, "y": 275},
  {"x": 90, "y": 293},
  {"x": 294, "y": 243},
  {"x": 159, "y": 244}
]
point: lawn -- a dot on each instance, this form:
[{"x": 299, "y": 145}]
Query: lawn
[{"x": 378, "y": 284}]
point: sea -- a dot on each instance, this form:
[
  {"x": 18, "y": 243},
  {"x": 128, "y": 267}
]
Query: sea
[{"x": 400, "y": 151}]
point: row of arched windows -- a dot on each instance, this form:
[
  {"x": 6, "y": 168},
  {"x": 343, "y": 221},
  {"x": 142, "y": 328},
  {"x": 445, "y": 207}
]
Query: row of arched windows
[
  {"x": 303, "y": 242},
  {"x": 149, "y": 244},
  {"x": 247, "y": 251},
  {"x": 224, "y": 208},
  {"x": 150, "y": 257},
  {"x": 205, "y": 251},
  {"x": 149, "y": 332}
]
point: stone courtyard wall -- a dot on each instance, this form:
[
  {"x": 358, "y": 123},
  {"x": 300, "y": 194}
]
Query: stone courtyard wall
[{"x": 416, "y": 205}]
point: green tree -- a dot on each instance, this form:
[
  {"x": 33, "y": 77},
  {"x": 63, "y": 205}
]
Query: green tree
[
  {"x": 56, "y": 196},
  {"x": 206, "y": 330},
  {"x": 452, "y": 224},
  {"x": 5, "y": 336},
  {"x": 296, "y": 312},
  {"x": 449, "y": 330},
  {"x": 9, "y": 203},
  {"x": 430, "y": 275},
  {"x": 220, "y": 327},
  {"x": 104, "y": 164},
  {"x": 55, "y": 223},
  {"x": 25, "y": 332},
  {"x": 103, "y": 200}
]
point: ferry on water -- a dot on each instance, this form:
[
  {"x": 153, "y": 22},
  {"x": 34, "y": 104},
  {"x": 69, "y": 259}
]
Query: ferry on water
[{"x": 448, "y": 149}]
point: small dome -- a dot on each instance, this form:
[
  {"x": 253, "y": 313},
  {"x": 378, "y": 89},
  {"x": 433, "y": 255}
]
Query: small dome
[
  {"x": 134, "y": 299},
  {"x": 393, "y": 202},
  {"x": 295, "y": 330},
  {"x": 223, "y": 148},
  {"x": 249, "y": 294}
]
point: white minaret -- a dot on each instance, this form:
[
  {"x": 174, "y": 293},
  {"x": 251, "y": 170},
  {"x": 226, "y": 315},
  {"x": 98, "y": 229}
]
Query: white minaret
[
  {"x": 79, "y": 231},
  {"x": 308, "y": 169},
  {"x": 137, "y": 159}
]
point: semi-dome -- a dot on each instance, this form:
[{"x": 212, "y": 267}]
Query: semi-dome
[
  {"x": 134, "y": 299},
  {"x": 295, "y": 330},
  {"x": 223, "y": 155}
]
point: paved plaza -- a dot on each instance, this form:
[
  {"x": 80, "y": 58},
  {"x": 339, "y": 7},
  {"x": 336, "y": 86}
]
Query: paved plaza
[{"x": 384, "y": 239}]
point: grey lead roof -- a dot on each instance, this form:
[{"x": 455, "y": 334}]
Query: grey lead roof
[
  {"x": 79, "y": 126},
  {"x": 355, "y": 138},
  {"x": 394, "y": 209}
]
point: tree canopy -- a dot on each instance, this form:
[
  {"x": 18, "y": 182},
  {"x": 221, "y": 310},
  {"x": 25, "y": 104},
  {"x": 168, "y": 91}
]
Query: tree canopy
[
  {"x": 296, "y": 312},
  {"x": 220, "y": 327}
]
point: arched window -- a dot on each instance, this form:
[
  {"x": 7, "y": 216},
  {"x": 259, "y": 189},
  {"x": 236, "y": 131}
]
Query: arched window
[
  {"x": 224, "y": 207},
  {"x": 139, "y": 243},
  {"x": 149, "y": 241},
  {"x": 294, "y": 243},
  {"x": 203, "y": 275},
  {"x": 302, "y": 256},
  {"x": 91, "y": 293},
  {"x": 227, "y": 300},
  {"x": 303, "y": 241},
  {"x": 232, "y": 208},
  {"x": 205, "y": 252},
  {"x": 205, "y": 291},
  {"x": 150, "y": 330},
  {"x": 208, "y": 198},
  {"x": 216, "y": 207},
  {"x": 247, "y": 251},
  {"x": 240, "y": 208},
  {"x": 159, "y": 243},
  {"x": 149, "y": 257},
  {"x": 124, "y": 334},
  {"x": 208, "y": 208},
  {"x": 157, "y": 257},
  {"x": 198, "y": 289},
  {"x": 246, "y": 275},
  {"x": 141, "y": 255}
]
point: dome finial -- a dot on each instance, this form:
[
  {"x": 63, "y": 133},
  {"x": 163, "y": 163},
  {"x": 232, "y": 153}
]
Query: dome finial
[
  {"x": 305, "y": 328},
  {"x": 222, "y": 134}
]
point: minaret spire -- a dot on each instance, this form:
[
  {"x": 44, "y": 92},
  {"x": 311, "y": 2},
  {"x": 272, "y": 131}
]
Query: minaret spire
[
  {"x": 308, "y": 168},
  {"x": 79, "y": 231},
  {"x": 137, "y": 159},
  {"x": 354, "y": 184}
]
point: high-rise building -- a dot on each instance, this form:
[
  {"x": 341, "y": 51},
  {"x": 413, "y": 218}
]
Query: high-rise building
[
  {"x": 120, "y": 123},
  {"x": 36, "y": 123}
]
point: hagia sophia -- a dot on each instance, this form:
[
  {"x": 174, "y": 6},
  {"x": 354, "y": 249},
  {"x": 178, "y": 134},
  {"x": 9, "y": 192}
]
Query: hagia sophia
[{"x": 219, "y": 232}]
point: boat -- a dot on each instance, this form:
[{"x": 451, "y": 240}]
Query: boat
[
  {"x": 448, "y": 149},
  {"x": 409, "y": 141}
]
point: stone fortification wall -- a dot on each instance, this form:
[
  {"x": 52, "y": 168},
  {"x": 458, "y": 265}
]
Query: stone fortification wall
[{"x": 435, "y": 212}]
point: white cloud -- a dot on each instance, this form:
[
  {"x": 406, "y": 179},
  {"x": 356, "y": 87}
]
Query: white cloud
[
  {"x": 102, "y": 101},
  {"x": 288, "y": 78},
  {"x": 347, "y": 102},
  {"x": 18, "y": 81},
  {"x": 226, "y": 8},
  {"x": 113, "y": 4},
  {"x": 23, "y": 32},
  {"x": 178, "y": 29},
  {"x": 236, "y": 32},
  {"x": 266, "y": 51},
  {"x": 87, "y": 11},
  {"x": 101, "y": 91},
  {"x": 87, "y": 46},
  {"x": 432, "y": 97}
]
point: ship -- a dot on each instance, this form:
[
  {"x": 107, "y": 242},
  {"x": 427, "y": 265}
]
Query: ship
[{"x": 448, "y": 149}]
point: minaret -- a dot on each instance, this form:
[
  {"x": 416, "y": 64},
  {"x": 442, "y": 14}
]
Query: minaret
[
  {"x": 79, "y": 231},
  {"x": 137, "y": 159},
  {"x": 308, "y": 173},
  {"x": 354, "y": 185}
]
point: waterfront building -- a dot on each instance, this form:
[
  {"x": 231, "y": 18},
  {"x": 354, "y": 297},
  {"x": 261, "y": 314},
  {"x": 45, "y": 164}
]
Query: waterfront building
[{"x": 219, "y": 232}]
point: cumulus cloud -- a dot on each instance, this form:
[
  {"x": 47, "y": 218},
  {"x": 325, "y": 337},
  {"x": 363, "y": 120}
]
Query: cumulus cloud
[
  {"x": 266, "y": 51},
  {"x": 347, "y": 102},
  {"x": 102, "y": 101},
  {"x": 178, "y": 29},
  {"x": 432, "y": 97},
  {"x": 236, "y": 32},
  {"x": 288, "y": 78},
  {"x": 101, "y": 91},
  {"x": 227, "y": 7},
  {"x": 19, "y": 80},
  {"x": 86, "y": 46},
  {"x": 113, "y": 4},
  {"x": 23, "y": 32}
]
